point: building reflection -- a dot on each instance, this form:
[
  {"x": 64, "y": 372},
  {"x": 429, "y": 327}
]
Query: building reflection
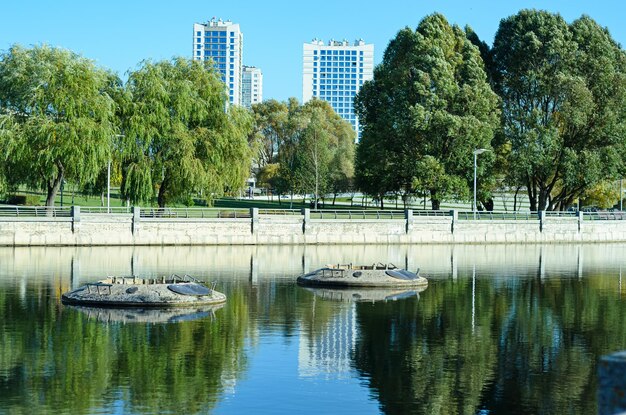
[{"x": 329, "y": 352}]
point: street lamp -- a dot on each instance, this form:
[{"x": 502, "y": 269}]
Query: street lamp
[
  {"x": 476, "y": 153},
  {"x": 109, "y": 187}
]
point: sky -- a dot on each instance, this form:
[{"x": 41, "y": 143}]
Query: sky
[{"x": 118, "y": 35}]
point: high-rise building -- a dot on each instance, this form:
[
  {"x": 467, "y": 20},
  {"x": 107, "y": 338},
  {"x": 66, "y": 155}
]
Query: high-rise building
[
  {"x": 251, "y": 86},
  {"x": 335, "y": 72},
  {"x": 221, "y": 41}
]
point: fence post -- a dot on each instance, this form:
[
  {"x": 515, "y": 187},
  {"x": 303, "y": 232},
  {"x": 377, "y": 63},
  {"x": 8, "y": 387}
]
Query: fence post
[
  {"x": 306, "y": 218},
  {"x": 580, "y": 220},
  {"x": 612, "y": 384},
  {"x": 136, "y": 219},
  {"x": 75, "y": 218},
  {"x": 455, "y": 217},
  {"x": 408, "y": 216},
  {"x": 254, "y": 220},
  {"x": 542, "y": 219}
]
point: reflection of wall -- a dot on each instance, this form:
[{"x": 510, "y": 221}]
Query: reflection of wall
[
  {"x": 329, "y": 352},
  {"x": 274, "y": 261}
]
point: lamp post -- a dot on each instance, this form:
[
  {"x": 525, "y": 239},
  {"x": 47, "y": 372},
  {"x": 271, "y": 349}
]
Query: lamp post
[
  {"x": 476, "y": 153},
  {"x": 109, "y": 187}
]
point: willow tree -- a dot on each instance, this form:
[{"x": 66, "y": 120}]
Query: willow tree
[
  {"x": 180, "y": 136},
  {"x": 427, "y": 108},
  {"x": 271, "y": 127},
  {"x": 563, "y": 89},
  {"x": 60, "y": 114}
]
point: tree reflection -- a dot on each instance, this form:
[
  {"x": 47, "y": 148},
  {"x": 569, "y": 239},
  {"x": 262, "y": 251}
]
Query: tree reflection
[
  {"x": 533, "y": 350},
  {"x": 73, "y": 364}
]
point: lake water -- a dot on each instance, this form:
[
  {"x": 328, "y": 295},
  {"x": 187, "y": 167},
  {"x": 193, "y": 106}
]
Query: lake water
[{"x": 514, "y": 329}]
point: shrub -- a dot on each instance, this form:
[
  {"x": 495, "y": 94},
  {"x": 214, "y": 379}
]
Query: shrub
[{"x": 27, "y": 200}]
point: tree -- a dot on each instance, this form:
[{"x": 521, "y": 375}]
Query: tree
[
  {"x": 428, "y": 106},
  {"x": 318, "y": 151},
  {"x": 179, "y": 138},
  {"x": 563, "y": 91},
  {"x": 314, "y": 155},
  {"x": 61, "y": 116},
  {"x": 271, "y": 127}
]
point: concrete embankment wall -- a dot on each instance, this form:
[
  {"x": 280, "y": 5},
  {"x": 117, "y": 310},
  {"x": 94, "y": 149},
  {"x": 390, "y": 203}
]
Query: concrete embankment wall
[{"x": 132, "y": 229}]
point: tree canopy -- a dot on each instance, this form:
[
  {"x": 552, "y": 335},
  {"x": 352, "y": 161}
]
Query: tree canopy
[
  {"x": 563, "y": 90},
  {"x": 312, "y": 147},
  {"x": 180, "y": 137},
  {"x": 427, "y": 108},
  {"x": 58, "y": 108}
]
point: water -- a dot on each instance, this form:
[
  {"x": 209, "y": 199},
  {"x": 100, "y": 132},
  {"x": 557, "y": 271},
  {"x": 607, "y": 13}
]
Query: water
[{"x": 500, "y": 330}]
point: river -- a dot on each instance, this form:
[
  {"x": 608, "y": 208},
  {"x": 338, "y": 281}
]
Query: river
[{"x": 501, "y": 329}]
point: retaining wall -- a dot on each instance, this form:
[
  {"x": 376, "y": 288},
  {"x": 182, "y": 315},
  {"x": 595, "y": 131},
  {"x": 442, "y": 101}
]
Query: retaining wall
[{"x": 132, "y": 229}]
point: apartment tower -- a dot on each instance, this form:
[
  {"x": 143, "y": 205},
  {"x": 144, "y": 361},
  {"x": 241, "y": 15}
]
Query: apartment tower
[
  {"x": 334, "y": 72},
  {"x": 251, "y": 86},
  {"x": 222, "y": 41}
]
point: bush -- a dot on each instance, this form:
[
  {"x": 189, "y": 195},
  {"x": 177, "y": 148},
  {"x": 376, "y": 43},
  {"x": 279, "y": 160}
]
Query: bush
[{"x": 27, "y": 200}]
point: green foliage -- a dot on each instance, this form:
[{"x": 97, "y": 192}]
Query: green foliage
[
  {"x": 178, "y": 136},
  {"x": 603, "y": 195},
  {"x": 268, "y": 176},
  {"x": 312, "y": 147},
  {"x": 26, "y": 200},
  {"x": 563, "y": 89},
  {"x": 429, "y": 99},
  {"x": 271, "y": 129},
  {"x": 60, "y": 117}
]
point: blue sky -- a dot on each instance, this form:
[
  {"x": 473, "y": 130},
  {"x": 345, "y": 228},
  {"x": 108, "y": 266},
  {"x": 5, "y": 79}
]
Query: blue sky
[{"x": 120, "y": 34}]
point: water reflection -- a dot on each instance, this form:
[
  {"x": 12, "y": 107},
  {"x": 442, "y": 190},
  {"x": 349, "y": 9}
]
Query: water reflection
[
  {"x": 500, "y": 329},
  {"x": 146, "y": 315},
  {"x": 365, "y": 294}
]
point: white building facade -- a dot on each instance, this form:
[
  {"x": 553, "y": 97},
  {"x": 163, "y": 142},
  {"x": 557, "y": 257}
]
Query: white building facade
[
  {"x": 222, "y": 41},
  {"x": 251, "y": 86},
  {"x": 334, "y": 72}
]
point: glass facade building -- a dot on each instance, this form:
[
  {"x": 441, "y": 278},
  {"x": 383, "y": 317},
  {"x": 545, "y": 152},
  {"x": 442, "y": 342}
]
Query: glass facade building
[
  {"x": 251, "y": 86},
  {"x": 334, "y": 72},
  {"x": 222, "y": 42}
]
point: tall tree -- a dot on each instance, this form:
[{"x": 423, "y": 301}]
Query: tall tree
[
  {"x": 271, "y": 128},
  {"x": 61, "y": 116},
  {"x": 427, "y": 108},
  {"x": 564, "y": 93},
  {"x": 318, "y": 151},
  {"x": 179, "y": 135}
]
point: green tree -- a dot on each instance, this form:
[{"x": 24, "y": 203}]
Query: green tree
[
  {"x": 271, "y": 127},
  {"x": 318, "y": 152},
  {"x": 179, "y": 136},
  {"x": 61, "y": 114},
  {"x": 428, "y": 104},
  {"x": 564, "y": 92}
]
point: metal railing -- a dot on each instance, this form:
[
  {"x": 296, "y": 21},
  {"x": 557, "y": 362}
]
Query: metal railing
[
  {"x": 561, "y": 214},
  {"x": 35, "y": 211},
  {"x": 193, "y": 213},
  {"x": 11, "y": 211},
  {"x": 439, "y": 213},
  {"x": 281, "y": 212},
  {"x": 101, "y": 210},
  {"x": 468, "y": 215},
  {"x": 357, "y": 214},
  {"x": 616, "y": 215}
]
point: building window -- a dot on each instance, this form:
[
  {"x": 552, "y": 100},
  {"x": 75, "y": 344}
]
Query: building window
[{"x": 198, "y": 33}]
